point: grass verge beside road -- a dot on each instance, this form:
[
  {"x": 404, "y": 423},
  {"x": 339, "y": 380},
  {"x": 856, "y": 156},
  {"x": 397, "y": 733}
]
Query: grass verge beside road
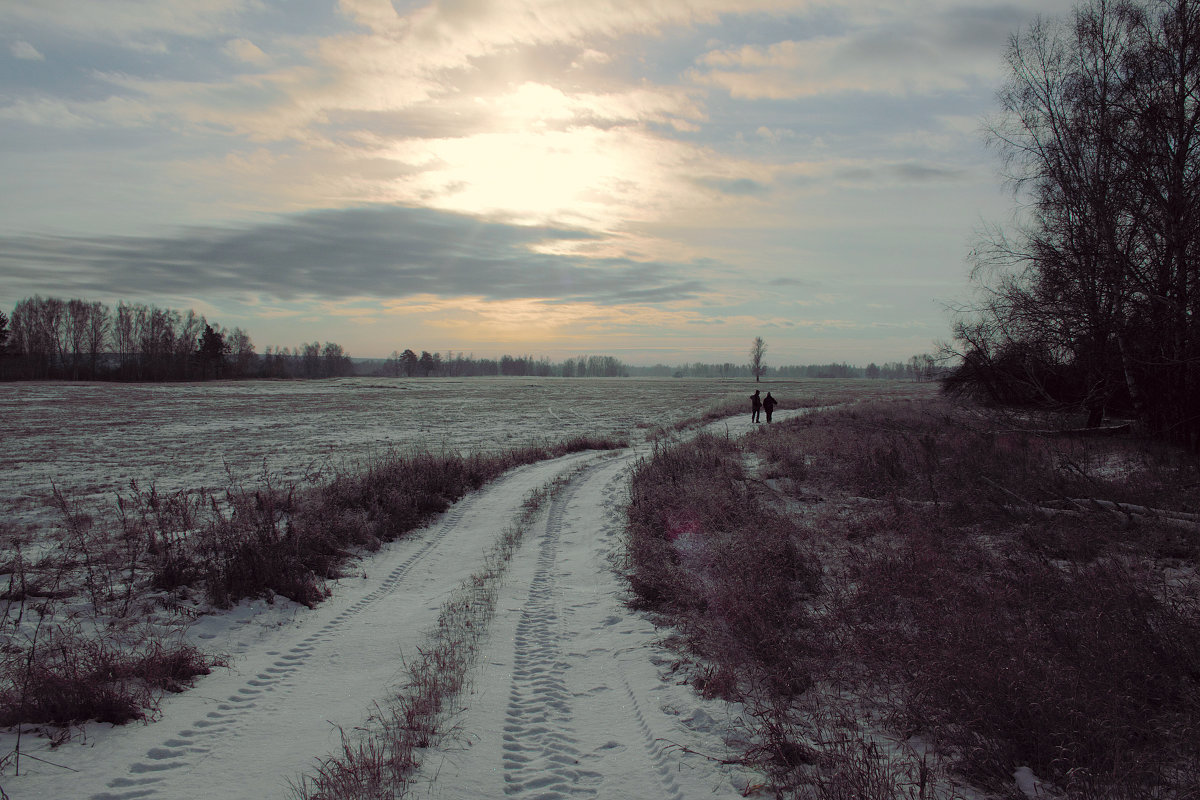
[
  {"x": 913, "y": 600},
  {"x": 92, "y": 627}
]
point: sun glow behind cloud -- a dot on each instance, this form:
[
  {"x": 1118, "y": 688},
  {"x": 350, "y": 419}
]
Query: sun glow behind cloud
[
  {"x": 714, "y": 146},
  {"x": 526, "y": 322},
  {"x": 583, "y": 176}
]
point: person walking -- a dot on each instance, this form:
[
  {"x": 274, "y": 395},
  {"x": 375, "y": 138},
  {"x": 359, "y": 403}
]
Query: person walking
[
  {"x": 769, "y": 404},
  {"x": 755, "y": 406}
]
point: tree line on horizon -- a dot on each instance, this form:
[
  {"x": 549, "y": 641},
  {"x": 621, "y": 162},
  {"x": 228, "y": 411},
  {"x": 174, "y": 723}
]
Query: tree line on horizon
[
  {"x": 919, "y": 368},
  {"x": 47, "y": 338},
  {"x": 461, "y": 365},
  {"x": 55, "y": 339},
  {"x": 458, "y": 365}
]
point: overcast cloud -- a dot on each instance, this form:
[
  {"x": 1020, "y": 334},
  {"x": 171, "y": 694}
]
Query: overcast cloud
[
  {"x": 665, "y": 179},
  {"x": 383, "y": 252}
]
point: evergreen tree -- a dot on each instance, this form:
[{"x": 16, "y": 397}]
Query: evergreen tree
[
  {"x": 408, "y": 359},
  {"x": 210, "y": 352}
]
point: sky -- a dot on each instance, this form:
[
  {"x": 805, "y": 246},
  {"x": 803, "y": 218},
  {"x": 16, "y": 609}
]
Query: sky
[{"x": 659, "y": 180}]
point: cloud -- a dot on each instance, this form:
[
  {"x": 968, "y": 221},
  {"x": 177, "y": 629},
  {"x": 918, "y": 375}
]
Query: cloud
[
  {"x": 793, "y": 69},
  {"x": 382, "y": 252},
  {"x": 26, "y": 52},
  {"x": 807, "y": 284},
  {"x": 738, "y": 187},
  {"x": 880, "y": 172},
  {"x": 775, "y": 135},
  {"x": 245, "y": 50},
  {"x": 51, "y": 112},
  {"x": 45, "y": 111},
  {"x": 513, "y": 109},
  {"x": 526, "y": 317},
  {"x": 926, "y": 172},
  {"x": 449, "y": 34},
  {"x": 919, "y": 49},
  {"x": 125, "y": 20}
]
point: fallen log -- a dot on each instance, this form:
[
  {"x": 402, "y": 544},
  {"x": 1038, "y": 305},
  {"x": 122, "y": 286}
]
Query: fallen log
[
  {"x": 1063, "y": 433},
  {"x": 1125, "y": 512},
  {"x": 1135, "y": 510}
]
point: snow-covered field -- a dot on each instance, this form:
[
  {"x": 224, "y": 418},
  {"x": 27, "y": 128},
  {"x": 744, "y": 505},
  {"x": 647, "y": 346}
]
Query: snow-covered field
[
  {"x": 92, "y": 439},
  {"x": 572, "y": 695}
]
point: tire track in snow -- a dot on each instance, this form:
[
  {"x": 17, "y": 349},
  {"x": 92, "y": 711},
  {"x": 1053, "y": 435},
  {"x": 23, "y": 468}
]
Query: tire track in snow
[
  {"x": 539, "y": 751},
  {"x": 193, "y": 742},
  {"x": 548, "y": 741},
  {"x": 663, "y": 765}
]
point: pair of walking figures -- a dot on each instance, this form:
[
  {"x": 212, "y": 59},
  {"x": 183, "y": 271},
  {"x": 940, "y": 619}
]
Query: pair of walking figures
[{"x": 761, "y": 404}]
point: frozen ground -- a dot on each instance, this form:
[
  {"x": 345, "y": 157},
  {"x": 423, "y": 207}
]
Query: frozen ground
[
  {"x": 92, "y": 439},
  {"x": 571, "y": 697}
]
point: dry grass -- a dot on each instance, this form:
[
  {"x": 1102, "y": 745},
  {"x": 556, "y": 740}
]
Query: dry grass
[
  {"x": 980, "y": 605},
  {"x": 288, "y": 541},
  {"x": 725, "y": 570},
  {"x": 69, "y": 675},
  {"x": 69, "y": 651},
  {"x": 65, "y": 662}
]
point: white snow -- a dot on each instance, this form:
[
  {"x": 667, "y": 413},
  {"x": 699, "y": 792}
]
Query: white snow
[
  {"x": 92, "y": 439},
  {"x": 571, "y": 696},
  {"x": 1031, "y": 785}
]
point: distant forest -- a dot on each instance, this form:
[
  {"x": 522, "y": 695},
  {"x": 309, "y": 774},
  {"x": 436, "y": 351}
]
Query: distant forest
[
  {"x": 49, "y": 338},
  {"x": 54, "y": 339},
  {"x": 922, "y": 367}
]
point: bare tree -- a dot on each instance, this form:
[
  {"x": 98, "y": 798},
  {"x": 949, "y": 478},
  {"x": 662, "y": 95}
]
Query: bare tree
[
  {"x": 1095, "y": 299},
  {"x": 426, "y": 363},
  {"x": 1060, "y": 132},
  {"x": 310, "y": 354},
  {"x": 758, "y": 350},
  {"x": 187, "y": 332},
  {"x": 75, "y": 326},
  {"x": 37, "y": 335},
  {"x": 335, "y": 362},
  {"x": 96, "y": 337},
  {"x": 241, "y": 351},
  {"x": 123, "y": 339}
]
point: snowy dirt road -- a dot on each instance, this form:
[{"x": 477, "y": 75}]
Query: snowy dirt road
[
  {"x": 571, "y": 700},
  {"x": 572, "y": 696}
]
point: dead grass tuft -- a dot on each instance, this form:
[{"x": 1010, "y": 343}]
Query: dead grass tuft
[{"x": 69, "y": 675}]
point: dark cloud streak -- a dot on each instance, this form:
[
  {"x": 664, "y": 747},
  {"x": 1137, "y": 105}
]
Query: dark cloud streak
[
  {"x": 737, "y": 187},
  {"x": 380, "y": 251}
]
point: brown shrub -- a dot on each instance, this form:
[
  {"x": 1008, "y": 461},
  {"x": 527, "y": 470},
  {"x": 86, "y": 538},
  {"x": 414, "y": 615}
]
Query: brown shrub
[
  {"x": 68, "y": 678},
  {"x": 975, "y": 596},
  {"x": 703, "y": 548},
  {"x": 288, "y": 541}
]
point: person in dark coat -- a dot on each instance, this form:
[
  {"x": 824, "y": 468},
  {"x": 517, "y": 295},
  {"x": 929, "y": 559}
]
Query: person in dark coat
[
  {"x": 769, "y": 404},
  {"x": 755, "y": 405}
]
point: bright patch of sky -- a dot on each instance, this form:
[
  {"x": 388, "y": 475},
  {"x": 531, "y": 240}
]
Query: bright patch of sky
[{"x": 659, "y": 181}]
